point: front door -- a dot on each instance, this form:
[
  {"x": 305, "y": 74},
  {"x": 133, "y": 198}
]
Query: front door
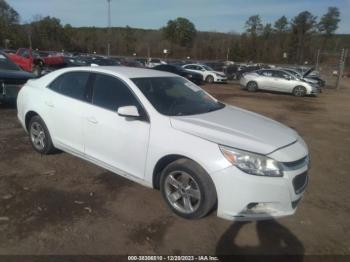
[{"x": 119, "y": 142}]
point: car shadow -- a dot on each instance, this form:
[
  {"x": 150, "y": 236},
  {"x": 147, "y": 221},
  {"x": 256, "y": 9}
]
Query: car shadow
[{"x": 274, "y": 240}]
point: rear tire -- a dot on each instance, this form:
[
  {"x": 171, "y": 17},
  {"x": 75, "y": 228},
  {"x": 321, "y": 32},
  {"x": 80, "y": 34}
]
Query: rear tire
[
  {"x": 187, "y": 189},
  {"x": 39, "y": 136},
  {"x": 252, "y": 86},
  {"x": 299, "y": 91}
]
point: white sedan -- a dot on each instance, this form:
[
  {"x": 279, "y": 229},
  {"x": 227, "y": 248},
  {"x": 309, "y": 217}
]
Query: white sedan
[
  {"x": 277, "y": 80},
  {"x": 164, "y": 132},
  {"x": 209, "y": 74}
]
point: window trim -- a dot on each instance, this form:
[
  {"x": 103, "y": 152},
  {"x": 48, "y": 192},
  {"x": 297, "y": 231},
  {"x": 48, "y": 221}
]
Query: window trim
[
  {"x": 89, "y": 91},
  {"x": 90, "y": 86}
]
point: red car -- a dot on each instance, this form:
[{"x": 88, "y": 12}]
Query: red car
[{"x": 31, "y": 60}]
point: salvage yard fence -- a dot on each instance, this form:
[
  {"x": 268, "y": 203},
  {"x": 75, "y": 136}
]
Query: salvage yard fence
[{"x": 332, "y": 66}]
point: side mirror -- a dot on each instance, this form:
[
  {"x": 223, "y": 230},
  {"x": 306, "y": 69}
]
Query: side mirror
[{"x": 128, "y": 111}]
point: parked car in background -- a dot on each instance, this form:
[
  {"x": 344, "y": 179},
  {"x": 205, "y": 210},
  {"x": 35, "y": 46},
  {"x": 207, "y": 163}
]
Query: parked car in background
[
  {"x": 276, "y": 80},
  {"x": 209, "y": 74},
  {"x": 152, "y": 62},
  {"x": 142, "y": 61},
  {"x": 246, "y": 69},
  {"x": 300, "y": 76},
  {"x": 12, "y": 78},
  {"x": 163, "y": 131},
  {"x": 97, "y": 60},
  {"x": 312, "y": 74},
  {"x": 218, "y": 66},
  {"x": 132, "y": 63},
  {"x": 31, "y": 61},
  {"x": 176, "y": 69}
]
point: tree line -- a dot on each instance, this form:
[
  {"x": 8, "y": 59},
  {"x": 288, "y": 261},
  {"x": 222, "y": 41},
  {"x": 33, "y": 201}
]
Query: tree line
[{"x": 284, "y": 41}]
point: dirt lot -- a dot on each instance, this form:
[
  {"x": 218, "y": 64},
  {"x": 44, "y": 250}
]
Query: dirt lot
[{"x": 60, "y": 204}]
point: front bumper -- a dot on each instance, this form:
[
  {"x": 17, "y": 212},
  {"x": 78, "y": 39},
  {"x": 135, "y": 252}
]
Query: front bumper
[
  {"x": 245, "y": 197},
  {"x": 219, "y": 79},
  {"x": 315, "y": 91}
]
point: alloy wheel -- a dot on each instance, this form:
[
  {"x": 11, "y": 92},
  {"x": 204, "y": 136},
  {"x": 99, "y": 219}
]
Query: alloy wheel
[
  {"x": 37, "y": 135},
  {"x": 252, "y": 86},
  {"x": 299, "y": 91},
  {"x": 182, "y": 192}
]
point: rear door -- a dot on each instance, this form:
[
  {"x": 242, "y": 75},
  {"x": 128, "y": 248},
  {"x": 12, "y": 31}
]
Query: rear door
[{"x": 66, "y": 100}]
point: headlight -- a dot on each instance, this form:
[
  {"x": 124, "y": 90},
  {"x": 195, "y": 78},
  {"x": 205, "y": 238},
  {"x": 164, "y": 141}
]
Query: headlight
[
  {"x": 253, "y": 164},
  {"x": 189, "y": 76}
]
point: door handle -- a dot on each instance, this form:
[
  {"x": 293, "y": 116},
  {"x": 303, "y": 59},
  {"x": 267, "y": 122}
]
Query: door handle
[
  {"x": 49, "y": 103},
  {"x": 93, "y": 120}
]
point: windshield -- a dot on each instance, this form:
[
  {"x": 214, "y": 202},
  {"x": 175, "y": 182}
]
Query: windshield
[
  {"x": 208, "y": 68},
  {"x": 175, "y": 96},
  {"x": 6, "y": 64}
]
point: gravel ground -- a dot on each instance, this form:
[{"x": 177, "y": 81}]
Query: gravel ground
[{"x": 60, "y": 204}]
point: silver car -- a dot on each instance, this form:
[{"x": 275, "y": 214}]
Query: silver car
[{"x": 276, "y": 80}]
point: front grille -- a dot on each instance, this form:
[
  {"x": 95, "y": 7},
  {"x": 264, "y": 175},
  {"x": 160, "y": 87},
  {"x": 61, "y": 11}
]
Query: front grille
[
  {"x": 296, "y": 164},
  {"x": 300, "y": 182}
]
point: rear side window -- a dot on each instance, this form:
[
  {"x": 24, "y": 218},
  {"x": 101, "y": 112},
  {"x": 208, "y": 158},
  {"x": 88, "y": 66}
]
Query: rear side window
[
  {"x": 71, "y": 84},
  {"x": 266, "y": 73},
  {"x": 111, "y": 93}
]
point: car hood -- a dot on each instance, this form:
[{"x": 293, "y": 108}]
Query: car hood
[
  {"x": 238, "y": 128},
  {"x": 308, "y": 72}
]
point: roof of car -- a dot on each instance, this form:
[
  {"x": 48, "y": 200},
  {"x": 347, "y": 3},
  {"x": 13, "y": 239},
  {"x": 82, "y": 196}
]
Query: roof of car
[{"x": 129, "y": 72}]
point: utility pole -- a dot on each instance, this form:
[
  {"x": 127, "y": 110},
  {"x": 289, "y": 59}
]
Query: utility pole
[
  {"x": 341, "y": 66},
  {"x": 318, "y": 58},
  {"x": 109, "y": 29}
]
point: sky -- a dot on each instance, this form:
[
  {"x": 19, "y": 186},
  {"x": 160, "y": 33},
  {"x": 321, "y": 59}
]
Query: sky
[{"x": 207, "y": 15}]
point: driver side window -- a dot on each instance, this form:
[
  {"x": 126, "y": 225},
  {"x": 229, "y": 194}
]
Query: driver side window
[{"x": 111, "y": 93}]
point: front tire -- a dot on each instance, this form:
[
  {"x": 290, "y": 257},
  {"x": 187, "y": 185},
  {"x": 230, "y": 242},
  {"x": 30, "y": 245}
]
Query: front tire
[
  {"x": 39, "y": 136},
  {"x": 187, "y": 189},
  {"x": 209, "y": 79},
  {"x": 252, "y": 86},
  {"x": 299, "y": 91}
]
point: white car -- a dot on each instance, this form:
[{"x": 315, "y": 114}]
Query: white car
[
  {"x": 209, "y": 74},
  {"x": 277, "y": 80},
  {"x": 164, "y": 132},
  {"x": 152, "y": 62}
]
